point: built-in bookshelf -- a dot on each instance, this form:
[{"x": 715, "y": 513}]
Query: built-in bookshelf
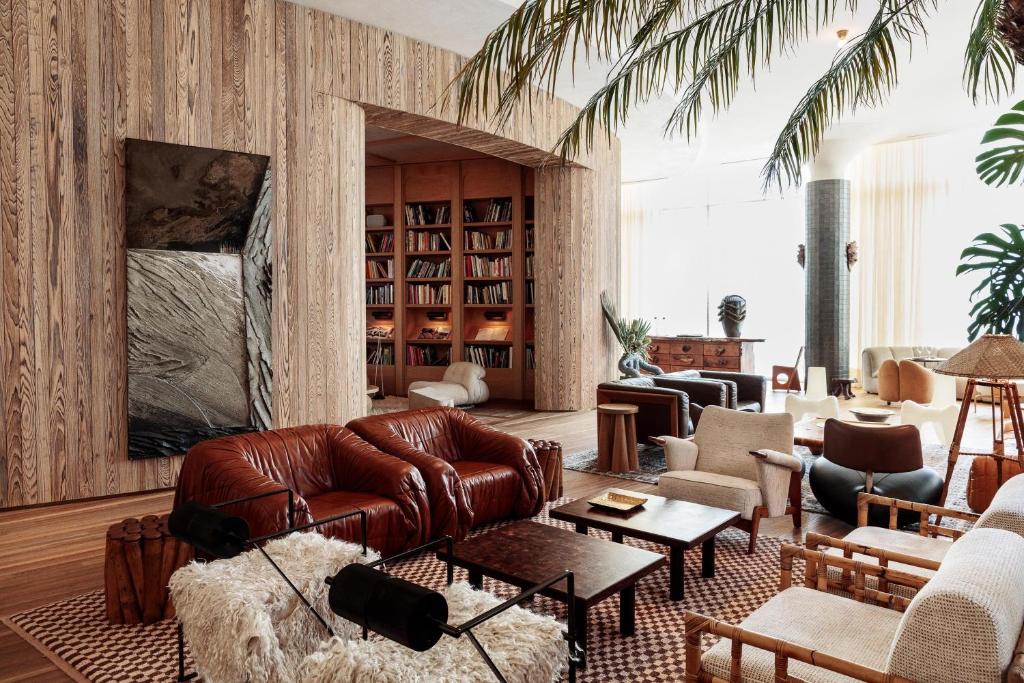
[{"x": 447, "y": 275}]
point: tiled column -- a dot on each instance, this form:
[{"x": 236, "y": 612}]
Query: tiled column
[{"x": 827, "y": 290}]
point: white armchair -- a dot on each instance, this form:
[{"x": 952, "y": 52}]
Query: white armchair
[
  {"x": 462, "y": 385},
  {"x": 737, "y": 461},
  {"x": 942, "y": 419},
  {"x": 800, "y": 407}
]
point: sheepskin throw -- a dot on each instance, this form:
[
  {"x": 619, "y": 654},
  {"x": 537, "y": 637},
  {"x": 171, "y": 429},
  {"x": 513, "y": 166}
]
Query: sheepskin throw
[
  {"x": 244, "y": 623},
  {"x": 526, "y": 648}
]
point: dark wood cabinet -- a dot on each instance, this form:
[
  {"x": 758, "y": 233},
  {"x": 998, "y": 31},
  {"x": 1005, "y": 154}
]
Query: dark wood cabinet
[{"x": 672, "y": 354}]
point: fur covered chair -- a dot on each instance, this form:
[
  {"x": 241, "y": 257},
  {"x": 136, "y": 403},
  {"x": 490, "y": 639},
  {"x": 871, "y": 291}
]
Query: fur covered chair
[
  {"x": 242, "y": 621},
  {"x": 526, "y": 647},
  {"x": 462, "y": 385}
]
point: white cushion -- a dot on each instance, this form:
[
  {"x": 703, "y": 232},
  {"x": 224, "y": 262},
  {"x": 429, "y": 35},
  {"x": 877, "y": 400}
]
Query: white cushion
[
  {"x": 895, "y": 541},
  {"x": 715, "y": 490},
  {"x": 471, "y": 376},
  {"x": 1006, "y": 511},
  {"x": 963, "y": 625},
  {"x": 242, "y": 621},
  {"x": 526, "y": 647},
  {"x": 836, "y": 626},
  {"x": 430, "y": 394}
]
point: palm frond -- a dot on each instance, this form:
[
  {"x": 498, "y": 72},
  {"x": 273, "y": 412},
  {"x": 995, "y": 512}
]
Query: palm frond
[
  {"x": 1002, "y": 162},
  {"x": 989, "y": 63},
  {"x": 863, "y": 73}
]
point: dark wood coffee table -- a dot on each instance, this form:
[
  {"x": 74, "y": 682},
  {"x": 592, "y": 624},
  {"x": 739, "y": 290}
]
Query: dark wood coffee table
[
  {"x": 676, "y": 523},
  {"x": 526, "y": 553}
]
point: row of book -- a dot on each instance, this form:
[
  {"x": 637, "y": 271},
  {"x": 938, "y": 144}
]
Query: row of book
[
  {"x": 424, "y": 214},
  {"x": 529, "y": 292},
  {"x": 427, "y": 355},
  {"x": 379, "y": 269},
  {"x": 429, "y": 294},
  {"x": 497, "y": 293},
  {"x": 421, "y": 268},
  {"x": 498, "y": 210},
  {"x": 426, "y": 240},
  {"x": 529, "y": 238},
  {"x": 529, "y": 265},
  {"x": 489, "y": 356},
  {"x": 475, "y": 239},
  {"x": 377, "y": 242},
  {"x": 380, "y": 355},
  {"x": 378, "y": 295},
  {"x": 531, "y": 360},
  {"x": 488, "y": 266}
]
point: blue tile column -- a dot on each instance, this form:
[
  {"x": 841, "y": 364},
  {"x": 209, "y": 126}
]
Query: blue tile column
[{"x": 827, "y": 285}]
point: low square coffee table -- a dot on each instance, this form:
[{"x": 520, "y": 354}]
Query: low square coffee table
[
  {"x": 526, "y": 553},
  {"x": 676, "y": 523}
]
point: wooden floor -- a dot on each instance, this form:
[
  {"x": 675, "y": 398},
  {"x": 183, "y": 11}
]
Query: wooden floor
[{"x": 52, "y": 553}]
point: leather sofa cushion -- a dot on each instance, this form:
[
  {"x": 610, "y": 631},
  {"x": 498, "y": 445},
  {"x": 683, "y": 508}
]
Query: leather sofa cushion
[
  {"x": 715, "y": 490},
  {"x": 492, "y": 489},
  {"x": 388, "y": 530}
]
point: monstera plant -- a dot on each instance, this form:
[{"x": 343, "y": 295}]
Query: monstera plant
[
  {"x": 634, "y": 338},
  {"x": 999, "y": 297}
]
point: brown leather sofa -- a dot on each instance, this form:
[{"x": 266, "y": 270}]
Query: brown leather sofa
[
  {"x": 330, "y": 470},
  {"x": 475, "y": 474}
]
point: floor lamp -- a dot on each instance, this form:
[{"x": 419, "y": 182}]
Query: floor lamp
[{"x": 993, "y": 362}]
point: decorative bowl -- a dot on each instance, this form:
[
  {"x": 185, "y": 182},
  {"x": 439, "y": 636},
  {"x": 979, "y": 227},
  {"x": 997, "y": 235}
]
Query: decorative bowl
[
  {"x": 617, "y": 500},
  {"x": 872, "y": 414}
]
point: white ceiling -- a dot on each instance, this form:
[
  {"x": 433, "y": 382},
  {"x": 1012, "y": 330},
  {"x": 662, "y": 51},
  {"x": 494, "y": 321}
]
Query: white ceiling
[{"x": 930, "y": 98}]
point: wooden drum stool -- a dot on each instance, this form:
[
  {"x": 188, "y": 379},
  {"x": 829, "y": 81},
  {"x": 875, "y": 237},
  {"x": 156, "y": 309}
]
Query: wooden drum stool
[
  {"x": 141, "y": 556},
  {"x": 549, "y": 456},
  {"x": 616, "y": 437}
]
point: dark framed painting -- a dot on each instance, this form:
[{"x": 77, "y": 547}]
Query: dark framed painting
[{"x": 199, "y": 286}]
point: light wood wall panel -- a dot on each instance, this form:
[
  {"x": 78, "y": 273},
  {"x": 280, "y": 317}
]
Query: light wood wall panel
[{"x": 79, "y": 76}]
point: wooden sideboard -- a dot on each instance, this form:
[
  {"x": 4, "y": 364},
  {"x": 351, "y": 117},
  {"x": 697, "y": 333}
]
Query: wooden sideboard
[{"x": 703, "y": 353}]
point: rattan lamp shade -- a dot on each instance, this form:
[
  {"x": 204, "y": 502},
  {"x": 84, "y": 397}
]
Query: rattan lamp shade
[{"x": 992, "y": 356}]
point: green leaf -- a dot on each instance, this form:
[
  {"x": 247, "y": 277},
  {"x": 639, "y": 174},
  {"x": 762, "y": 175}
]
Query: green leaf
[{"x": 1002, "y": 163}]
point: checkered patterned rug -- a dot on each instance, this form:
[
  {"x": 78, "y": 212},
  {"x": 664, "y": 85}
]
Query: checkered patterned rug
[{"x": 75, "y": 633}]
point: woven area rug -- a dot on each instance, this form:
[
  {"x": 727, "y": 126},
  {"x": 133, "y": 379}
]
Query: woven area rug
[
  {"x": 652, "y": 464},
  {"x": 74, "y": 633}
]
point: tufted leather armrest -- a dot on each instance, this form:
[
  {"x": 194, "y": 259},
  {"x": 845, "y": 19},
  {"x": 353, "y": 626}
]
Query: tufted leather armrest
[
  {"x": 749, "y": 387},
  {"x": 450, "y": 513},
  {"x": 478, "y": 441},
  {"x": 358, "y": 466}
]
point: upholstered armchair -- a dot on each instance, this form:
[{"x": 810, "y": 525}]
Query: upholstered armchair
[
  {"x": 474, "y": 474},
  {"x": 905, "y": 381},
  {"x": 330, "y": 471},
  {"x": 737, "y": 461},
  {"x": 663, "y": 410},
  {"x": 462, "y": 385},
  {"x": 739, "y": 390},
  {"x": 963, "y": 624}
]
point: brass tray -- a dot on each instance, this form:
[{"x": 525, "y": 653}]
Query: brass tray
[{"x": 614, "y": 500}]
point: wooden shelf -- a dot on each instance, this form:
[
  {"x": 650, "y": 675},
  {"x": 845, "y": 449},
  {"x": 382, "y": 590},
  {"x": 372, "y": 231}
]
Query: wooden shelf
[
  {"x": 489, "y": 342},
  {"x": 428, "y": 305},
  {"x": 382, "y": 340},
  {"x": 428, "y": 253},
  {"x": 380, "y": 306},
  {"x": 440, "y": 342},
  {"x": 428, "y": 279},
  {"x": 428, "y": 226},
  {"x": 487, "y": 251},
  {"x": 374, "y": 254},
  {"x": 486, "y": 224},
  {"x": 487, "y": 279},
  {"x": 494, "y": 306},
  {"x": 379, "y": 280}
]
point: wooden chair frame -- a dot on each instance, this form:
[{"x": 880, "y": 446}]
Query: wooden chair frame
[
  {"x": 795, "y": 508},
  {"x": 927, "y": 528}
]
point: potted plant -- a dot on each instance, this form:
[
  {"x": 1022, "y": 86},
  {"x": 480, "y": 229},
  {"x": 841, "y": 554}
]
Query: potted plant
[{"x": 634, "y": 338}]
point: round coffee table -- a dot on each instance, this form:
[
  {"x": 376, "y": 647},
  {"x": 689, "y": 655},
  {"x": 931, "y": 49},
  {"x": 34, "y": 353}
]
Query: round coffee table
[{"x": 616, "y": 437}]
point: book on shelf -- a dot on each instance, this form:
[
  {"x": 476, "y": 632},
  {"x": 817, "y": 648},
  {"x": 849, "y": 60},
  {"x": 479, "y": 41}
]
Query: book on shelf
[
  {"x": 529, "y": 292},
  {"x": 434, "y": 333},
  {"x": 424, "y": 214},
  {"x": 428, "y": 294},
  {"x": 496, "y": 293},
  {"x": 377, "y": 295},
  {"x": 492, "y": 333},
  {"x": 497, "y": 211},
  {"x": 380, "y": 332},
  {"x": 426, "y": 355},
  {"x": 380, "y": 269},
  {"x": 489, "y": 356},
  {"x": 477, "y": 239},
  {"x": 488, "y": 266},
  {"x": 531, "y": 361},
  {"x": 529, "y": 265},
  {"x": 424, "y": 268},
  {"x": 529, "y": 238},
  {"x": 382, "y": 354},
  {"x": 380, "y": 241},
  {"x": 425, "y": 240}
]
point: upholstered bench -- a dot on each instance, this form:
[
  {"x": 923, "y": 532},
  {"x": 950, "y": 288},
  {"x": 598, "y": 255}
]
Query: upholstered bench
[{"x": 526, "y": 647}]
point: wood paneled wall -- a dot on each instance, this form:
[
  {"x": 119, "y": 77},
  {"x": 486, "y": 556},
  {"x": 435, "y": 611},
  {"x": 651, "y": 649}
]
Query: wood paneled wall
[{"x": 79, "y": 76}]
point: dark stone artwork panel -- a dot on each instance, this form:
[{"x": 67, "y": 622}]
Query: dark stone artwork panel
[{"x": 189, "y": 198}]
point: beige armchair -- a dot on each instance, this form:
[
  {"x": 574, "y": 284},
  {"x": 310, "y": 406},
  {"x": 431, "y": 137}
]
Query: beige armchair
[
  {"x": 963, "y": 624},
  {"x": 737, "y": 461}
]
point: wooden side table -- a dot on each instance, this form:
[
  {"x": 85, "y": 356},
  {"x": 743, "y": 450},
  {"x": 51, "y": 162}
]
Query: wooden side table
[
  {"x": 141, "y": 555},
  {"x": 616, "y": 437},
  {"x": 549, "y": 455}
]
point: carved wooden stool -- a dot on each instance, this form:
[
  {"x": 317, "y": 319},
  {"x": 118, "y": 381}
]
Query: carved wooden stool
[
  {"x": 616, "y": 437},
  {"x": 842, "y": 387},
  {"x": 549, "y": 455},
  {"x": 140, "y": 558}
]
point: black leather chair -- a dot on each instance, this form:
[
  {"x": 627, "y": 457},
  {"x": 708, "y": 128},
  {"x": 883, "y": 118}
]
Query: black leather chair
[{"x": 664, "y": 410}]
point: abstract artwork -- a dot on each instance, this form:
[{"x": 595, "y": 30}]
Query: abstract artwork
[{"x": 198, "y": 232}]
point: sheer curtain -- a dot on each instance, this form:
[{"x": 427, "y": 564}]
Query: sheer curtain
[{"x": 638, "y": 215}]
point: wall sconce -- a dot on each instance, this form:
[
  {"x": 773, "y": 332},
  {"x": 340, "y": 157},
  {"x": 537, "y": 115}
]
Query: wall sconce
[
  {"x": 495, "y": 315},
  {"x": 437, "y": 315}
]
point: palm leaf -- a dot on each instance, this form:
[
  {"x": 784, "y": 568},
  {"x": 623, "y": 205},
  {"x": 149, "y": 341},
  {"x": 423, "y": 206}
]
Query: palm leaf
[
  {"x": 1003, "y": 162},
  {"x": 999, "y": 297},
  {"x": 863, "y": 73},
  {"x": 989, "y": 63}
]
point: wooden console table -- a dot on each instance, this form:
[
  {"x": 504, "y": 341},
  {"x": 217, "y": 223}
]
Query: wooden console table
[{"x": 703, "y": 353}]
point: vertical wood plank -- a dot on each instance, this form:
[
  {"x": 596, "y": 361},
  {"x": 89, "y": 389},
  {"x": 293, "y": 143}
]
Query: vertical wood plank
[
  {"x": 157, "y": 66},
  {"x": 120, "y": 475},
  {"x": 10, "y": 445}
]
